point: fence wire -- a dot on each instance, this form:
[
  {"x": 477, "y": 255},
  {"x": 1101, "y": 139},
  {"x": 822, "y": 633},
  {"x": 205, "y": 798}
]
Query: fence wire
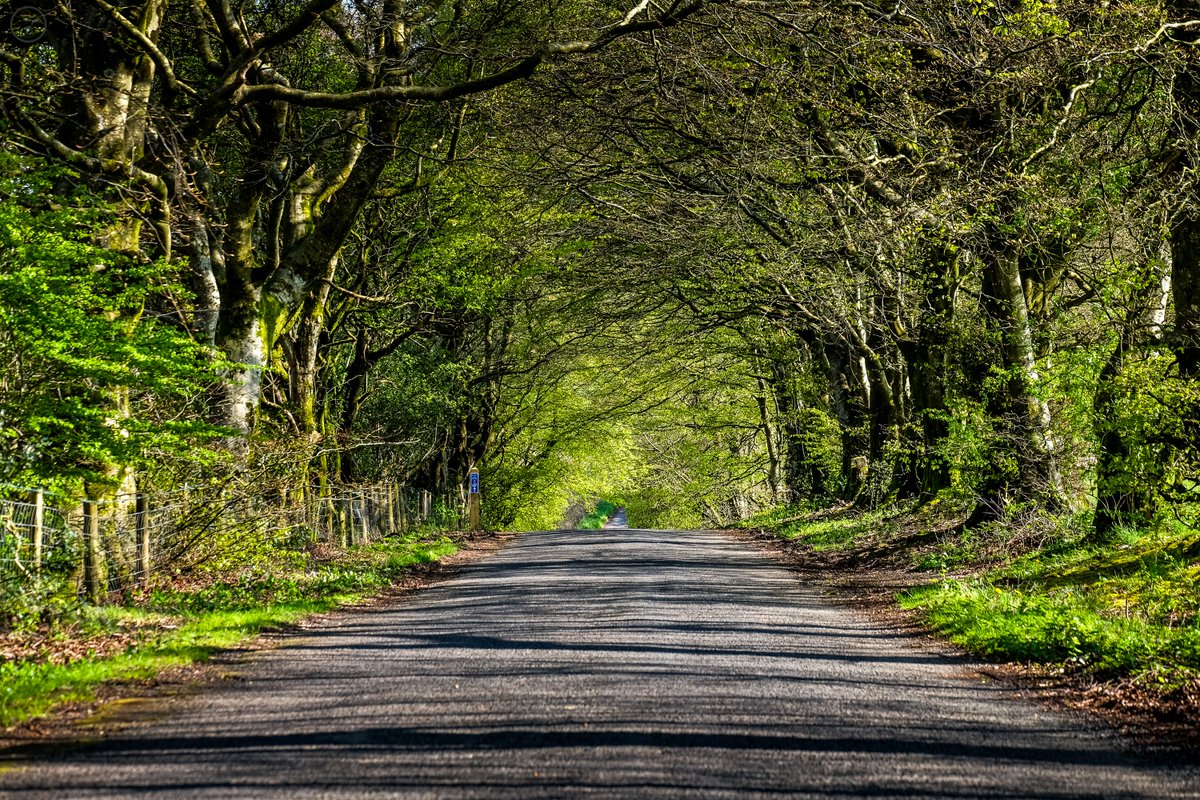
[{"x": 122, "y": 542}]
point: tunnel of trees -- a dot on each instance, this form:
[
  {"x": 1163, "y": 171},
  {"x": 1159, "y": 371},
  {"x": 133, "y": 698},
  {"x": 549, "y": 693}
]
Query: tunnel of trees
[{"x": 709, "y": 256}]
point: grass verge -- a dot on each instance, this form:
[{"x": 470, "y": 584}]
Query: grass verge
[
  {"x": 598, "y": 516},
  {"x": 190, "y": 621},
  {"x": 1033, "y": 590}
]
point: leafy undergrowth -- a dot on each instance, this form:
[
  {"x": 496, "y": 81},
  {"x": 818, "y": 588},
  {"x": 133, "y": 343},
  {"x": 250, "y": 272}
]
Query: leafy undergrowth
[
  {"x": 1031, "y": 590},
  {"x": 598, "y": 517},
  {"x": 832, "y": 529},
  {"x": 189, "y": 619}
]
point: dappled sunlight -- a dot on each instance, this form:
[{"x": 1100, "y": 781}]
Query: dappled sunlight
[{"x": 609, "y": 662}]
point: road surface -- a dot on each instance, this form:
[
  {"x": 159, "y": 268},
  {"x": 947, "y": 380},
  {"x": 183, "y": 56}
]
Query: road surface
[
  {"x": 617, "y": 519},
  {"x": 605, "y": 664}
]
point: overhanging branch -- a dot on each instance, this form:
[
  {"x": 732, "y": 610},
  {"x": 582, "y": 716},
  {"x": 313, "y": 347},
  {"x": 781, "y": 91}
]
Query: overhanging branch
[{"x": 522, "y": 69}]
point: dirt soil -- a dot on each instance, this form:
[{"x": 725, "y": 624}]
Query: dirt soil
[{"x": 1159, "y": 714}]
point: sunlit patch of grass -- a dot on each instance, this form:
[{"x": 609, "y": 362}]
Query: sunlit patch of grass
[
  {"x": 179, "y": 627},
  {"x": 1124, "y": 607},
  {"x": 1064, "y": 626},
  {"x": 1037, "y": 588},
  {"x": 822, "y": 530},
  {"x": 596, "y": 519}
]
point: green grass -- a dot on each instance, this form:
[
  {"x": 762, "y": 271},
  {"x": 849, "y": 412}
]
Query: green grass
[
  {"x": 828, "y": 532},
  {"x": 1126, "y": 607},
  {"x": 1037, "y": 590},
  {"x": 31, "y": 689},
  {"x": 1064, "y": 627},
  {"x": 598, "y": 516},
  {"x": 191, "y": 625}
]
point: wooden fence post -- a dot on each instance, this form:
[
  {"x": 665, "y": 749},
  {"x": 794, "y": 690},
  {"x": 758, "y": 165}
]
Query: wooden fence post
[
  {"x": 92, "y": 552},
  {"x": 390, "y": 507},
  {"x": 142, "y": 523},
  {"x": 39, "y": 513},
  {"x": 365, "y": 500},
  {"x": 397, "y": 505},
  {"x": 344, "y": 509},
  {"x": 314, "y": 515},
  {"x": 329, "y": 519}
]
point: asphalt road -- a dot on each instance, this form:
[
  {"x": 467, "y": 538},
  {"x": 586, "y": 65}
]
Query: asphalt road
[
  {"x": 606, "y": 664},
  {"x": 617, "y": 519}
]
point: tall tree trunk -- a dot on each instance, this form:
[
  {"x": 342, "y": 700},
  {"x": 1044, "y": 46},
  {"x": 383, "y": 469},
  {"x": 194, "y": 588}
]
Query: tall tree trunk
[
  {"x": 239, "y": 335},
  {"x": 925, "y": 354},
  {"x": 770, "y": 430},
  {"x": 1184, "y": 236},
  {"x": 1185, "y": 291},
  {"x": 356, "y": 381},
  {"x": 848, "y": 400},
  {"x": 305, "y": 366},
  {"x": 104, "y": 121},
  {"x": 883, "y": 417},
  {"x": 803, "y": 475},
  {"x": 1025, "y": 419}
]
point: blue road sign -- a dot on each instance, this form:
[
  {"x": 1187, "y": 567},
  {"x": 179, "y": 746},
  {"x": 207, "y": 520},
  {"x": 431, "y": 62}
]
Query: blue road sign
[{"x": 474, "y": 483}]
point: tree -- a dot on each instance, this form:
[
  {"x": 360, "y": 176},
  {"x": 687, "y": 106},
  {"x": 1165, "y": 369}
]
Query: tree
[
  {"x": 78, "y": 321},
  {"x": 258, "y": 136}
]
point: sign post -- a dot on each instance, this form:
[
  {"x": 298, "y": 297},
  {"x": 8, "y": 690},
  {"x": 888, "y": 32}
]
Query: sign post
[{"x": 473, "y": 499}]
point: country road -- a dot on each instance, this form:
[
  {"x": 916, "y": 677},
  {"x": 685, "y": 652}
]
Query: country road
[{"x": 605, "y": 664}]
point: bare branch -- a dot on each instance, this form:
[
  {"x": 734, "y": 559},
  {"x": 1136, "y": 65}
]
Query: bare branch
[
  {"x": 522, "y": 69},
  {"x": 1066, "y": 114},
  {"x": 160, "y": 59}
]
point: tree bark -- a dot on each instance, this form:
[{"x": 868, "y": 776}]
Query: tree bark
[
  {"x": 1025, "y": 419},
  {"x": 925, "y": 354},
  {"x": 803, "y": 475},
  {"x": 767, "y": 424},
  {"x": 848, "y": 401},
  {"x": 305, "y": 366}
]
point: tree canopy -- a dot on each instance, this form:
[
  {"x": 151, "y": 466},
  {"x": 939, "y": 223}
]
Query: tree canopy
[{"x": 702, "y": 257}]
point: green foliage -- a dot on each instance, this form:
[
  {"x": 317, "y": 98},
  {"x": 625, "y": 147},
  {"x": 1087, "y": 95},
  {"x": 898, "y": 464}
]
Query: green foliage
[
  {"x": 1035, "y": 20},
  {"x": 95, "y": 376},
  {"x": 1148, "y": 408},
  {"x": 596, "y": 518},
  {"x": 968, "y": 444},
  {"x": 27, "y": 602},
  {"x": 822, "y": 441}
]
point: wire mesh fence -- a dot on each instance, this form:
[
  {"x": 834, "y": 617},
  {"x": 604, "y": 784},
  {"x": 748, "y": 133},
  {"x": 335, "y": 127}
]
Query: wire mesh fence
[
  {"x": 35, "y": 538},
  {"x": 117, "y": 544}
]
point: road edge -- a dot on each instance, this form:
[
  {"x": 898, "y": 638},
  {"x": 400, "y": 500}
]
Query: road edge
[
  {"x": 119, "y": 706},
  {"x": 871, "y": 592}
]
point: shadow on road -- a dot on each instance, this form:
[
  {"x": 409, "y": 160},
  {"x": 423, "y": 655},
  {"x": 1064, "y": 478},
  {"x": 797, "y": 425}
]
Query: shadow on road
[{"x": 648, "y": 665}]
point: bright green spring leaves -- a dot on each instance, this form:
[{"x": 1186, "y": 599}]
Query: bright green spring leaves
[{"x": 97, "y": 361}]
